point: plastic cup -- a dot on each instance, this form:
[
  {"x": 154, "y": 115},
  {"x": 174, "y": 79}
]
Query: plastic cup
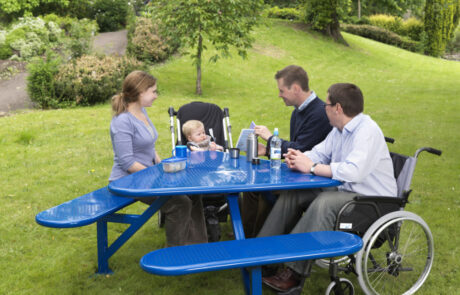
[{"x": 180, "y": 151}]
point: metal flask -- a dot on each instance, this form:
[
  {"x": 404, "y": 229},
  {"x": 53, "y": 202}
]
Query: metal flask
[{"x": 251, "y": 145}]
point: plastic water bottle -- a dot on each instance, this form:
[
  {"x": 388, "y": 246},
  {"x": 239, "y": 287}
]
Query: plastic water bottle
[{"x": 275, "y": 150}]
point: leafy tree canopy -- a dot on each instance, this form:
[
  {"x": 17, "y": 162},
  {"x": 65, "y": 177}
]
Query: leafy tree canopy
[
  {"x": 24, "y": 7},
  {"x": 222, "y": 23}
]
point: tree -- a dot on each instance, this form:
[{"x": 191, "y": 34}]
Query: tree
[
  {"x": 16, "y": 8},
  {"x": 441, "y": 19},
  {"x": 221, "y": 23},
  {"x": 393, "y": 7},
  {"x": 323, "y": 15}
]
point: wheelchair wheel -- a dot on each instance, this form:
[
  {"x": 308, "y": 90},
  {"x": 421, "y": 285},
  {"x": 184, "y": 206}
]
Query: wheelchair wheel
[
  {"x": 345, "y": 288},
  {"x": 397, "y": 255}
]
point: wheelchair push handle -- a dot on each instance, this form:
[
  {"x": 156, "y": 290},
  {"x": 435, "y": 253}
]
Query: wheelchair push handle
[
  {"x": 428, "y": 149},
  {"x": 434, "y": 151},
  {"x": 389, "y": 139}
]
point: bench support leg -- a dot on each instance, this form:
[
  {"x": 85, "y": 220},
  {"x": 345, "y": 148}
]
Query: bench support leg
[
  {"x": 102, "y": 245},
  {"x": 104, "y": 252},
  {"x": 256, "y": 281}
]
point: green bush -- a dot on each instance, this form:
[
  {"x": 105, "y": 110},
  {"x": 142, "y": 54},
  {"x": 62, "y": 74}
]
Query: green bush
[
  {"x": 5, "y": 49},
  {"x": 388, "y": 22},
  {"x": 364, "y": 20},
  {"x": 29, "y": 37},
  {"x": 382, "y": 35},
  {"x": 81, "y": 34},
  {"x": 284, "y": 13},
  {"x": 412, "y": 28},
  {"x": 111, "y": 15},
  {"x": 40, "y": 82},
  {"x": 284, "y": 3},
  {"x": 146, "y": 43},
  {"x": 92, "y": 79},
  {"x": 74, "y": 8}
]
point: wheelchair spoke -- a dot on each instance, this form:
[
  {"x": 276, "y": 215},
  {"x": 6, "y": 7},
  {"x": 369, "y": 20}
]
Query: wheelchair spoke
[{"x": 401, "y": 263}]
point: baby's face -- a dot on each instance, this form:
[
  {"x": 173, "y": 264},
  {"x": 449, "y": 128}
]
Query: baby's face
[{"x": 197, "y": 135}]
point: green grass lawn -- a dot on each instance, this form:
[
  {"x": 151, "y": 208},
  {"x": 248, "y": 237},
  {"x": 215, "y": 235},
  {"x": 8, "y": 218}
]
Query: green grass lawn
[{"x": 48, "y": 157}]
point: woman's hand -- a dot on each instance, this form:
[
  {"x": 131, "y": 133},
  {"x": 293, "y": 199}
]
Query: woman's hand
[
  {"x": 136, "y": 166},
  {"x": 157, "y": 158}
]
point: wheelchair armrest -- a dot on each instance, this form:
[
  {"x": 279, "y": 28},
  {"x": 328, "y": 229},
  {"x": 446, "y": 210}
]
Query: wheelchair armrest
[{"x": 380, "y": 199}]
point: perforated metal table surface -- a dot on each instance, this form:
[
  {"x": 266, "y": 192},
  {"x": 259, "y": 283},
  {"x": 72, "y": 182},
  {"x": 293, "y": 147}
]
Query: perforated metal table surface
[{"x": 213, "y": 173}]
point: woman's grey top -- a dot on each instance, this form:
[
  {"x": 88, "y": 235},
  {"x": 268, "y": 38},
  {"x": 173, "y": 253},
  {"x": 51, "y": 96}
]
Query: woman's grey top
[{"x": 132, "y": 141}]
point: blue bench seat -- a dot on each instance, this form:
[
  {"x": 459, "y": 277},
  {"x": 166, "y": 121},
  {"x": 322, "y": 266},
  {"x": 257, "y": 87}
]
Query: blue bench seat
[
  {"x": 99, "y": 207},
  {"x": 250, "y": 253},
  {"x": 83, "y": 210}
]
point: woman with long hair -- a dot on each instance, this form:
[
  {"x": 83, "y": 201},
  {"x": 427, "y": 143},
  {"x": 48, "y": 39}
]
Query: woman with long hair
[{"x": 133, "y": 140}]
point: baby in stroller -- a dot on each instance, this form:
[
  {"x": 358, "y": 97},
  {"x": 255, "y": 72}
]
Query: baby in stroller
[{"x": 197, "y": 139}]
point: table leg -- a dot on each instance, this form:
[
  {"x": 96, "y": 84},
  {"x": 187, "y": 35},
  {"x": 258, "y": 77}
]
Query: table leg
[
  {"x": 104, "y": 252},
  {"x": 237, "y": 224}
]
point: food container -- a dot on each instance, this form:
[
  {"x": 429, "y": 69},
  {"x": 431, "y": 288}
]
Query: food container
[{"x": 174, "y": 164}]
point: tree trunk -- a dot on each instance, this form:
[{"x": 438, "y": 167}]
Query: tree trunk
[
  {"x": 333, "y": 30},
  {"x": 359, "y": 9},
  {"x": 198, "y": 65}
]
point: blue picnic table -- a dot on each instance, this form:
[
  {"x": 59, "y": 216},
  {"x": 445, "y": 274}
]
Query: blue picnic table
[{"x": 207, "y": 172}]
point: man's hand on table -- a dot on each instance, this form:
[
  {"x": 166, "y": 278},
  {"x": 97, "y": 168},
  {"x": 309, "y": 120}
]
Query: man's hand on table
[{"x": 295, "y": 159}]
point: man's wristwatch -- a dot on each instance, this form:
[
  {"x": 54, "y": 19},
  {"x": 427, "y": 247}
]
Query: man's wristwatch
[{"x": 312, "y": 169}]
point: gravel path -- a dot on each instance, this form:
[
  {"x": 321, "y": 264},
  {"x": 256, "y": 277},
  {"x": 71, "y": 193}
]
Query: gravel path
[{"x": 13, "y": 90}]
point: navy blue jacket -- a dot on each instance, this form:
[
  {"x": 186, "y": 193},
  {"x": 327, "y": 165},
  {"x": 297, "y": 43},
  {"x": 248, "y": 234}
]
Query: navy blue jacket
[{"x": 308, "y": 128}]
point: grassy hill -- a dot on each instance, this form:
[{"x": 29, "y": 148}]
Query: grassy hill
[{"x": 48, "y": 157}]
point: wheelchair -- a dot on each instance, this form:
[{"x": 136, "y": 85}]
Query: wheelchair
[
  {"x": 398, "y": 247},
  {"x": 217, "y": 125}
]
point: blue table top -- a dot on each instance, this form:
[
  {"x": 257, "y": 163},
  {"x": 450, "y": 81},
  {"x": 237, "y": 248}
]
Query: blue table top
[{"x": 214, "y": 172}]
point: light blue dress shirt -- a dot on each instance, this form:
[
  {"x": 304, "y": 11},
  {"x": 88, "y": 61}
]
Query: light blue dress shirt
[
  {"x": 307, "y": 101},
  {"x": 359, "y": 157}
]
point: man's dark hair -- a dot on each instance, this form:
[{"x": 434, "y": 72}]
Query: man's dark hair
[
  {"x": 291, "y": 74},
  {"x": 349, "y": 96}
]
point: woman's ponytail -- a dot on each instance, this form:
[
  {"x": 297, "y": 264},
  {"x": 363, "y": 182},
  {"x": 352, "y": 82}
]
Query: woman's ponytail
[{"x": 118, "y": 104}]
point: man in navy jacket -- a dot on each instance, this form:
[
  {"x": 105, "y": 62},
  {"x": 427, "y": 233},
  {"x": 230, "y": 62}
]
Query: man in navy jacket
[{"x": 309, "y": 126}]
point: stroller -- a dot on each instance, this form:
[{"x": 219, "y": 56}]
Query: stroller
[
  {"x": 398, "y": 247},
  {"x": 217, "y": 125}
]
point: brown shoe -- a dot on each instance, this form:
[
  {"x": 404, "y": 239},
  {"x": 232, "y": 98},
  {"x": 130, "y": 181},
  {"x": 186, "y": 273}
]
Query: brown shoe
[{"x": 283, "y": 281}]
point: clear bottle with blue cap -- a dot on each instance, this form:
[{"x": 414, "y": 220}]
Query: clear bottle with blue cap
[{"x": 275, "y": 150}]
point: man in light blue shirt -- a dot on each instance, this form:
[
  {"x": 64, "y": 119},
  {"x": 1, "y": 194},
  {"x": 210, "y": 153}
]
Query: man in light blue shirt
[{"x": 355, "y": 153}]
